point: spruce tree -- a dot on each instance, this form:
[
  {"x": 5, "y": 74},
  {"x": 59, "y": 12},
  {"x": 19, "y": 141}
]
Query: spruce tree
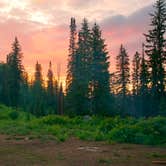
[
  {"x": 155, "y": 50},
  {"x": 24, "y": 92},
  {"x": 100, "y": 77},
  {"x": 51, "y": 97},
  {"x": 60, "y": 100},
  {"x": 78, "y": 97},
  {"x": 15, "y": 70},
  {"x": 72, "y": 54},
  {"x": 123, "y": 77},
  {"x": 136, "y": 73},
  {"x": 71, "y": 71},
  {"x": 136, "y": 84},
  {"x": 144, "y": 82},
  {"x": 38, "y": 101},
  {"x": 83, "y": 75}
]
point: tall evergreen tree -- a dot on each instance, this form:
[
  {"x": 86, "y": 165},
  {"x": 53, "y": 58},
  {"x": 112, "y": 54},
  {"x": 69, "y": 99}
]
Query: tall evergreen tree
[
  {"x": 144, "y": 82},
  {"x": 15, "y": 69},
  {"x": 155, "y": 49},
  {"x": 72, "y": 53},
  {"x": 24, "y": 92},
  {"x": 38, "y": 101},
  {"x": 136, "y": 84},
  {"x": 60, "y": 100},
  {"x": 100, "y": 77},
  {"x": 51, "y": 94},
  {"x": 77, "y": 97},
  {"x": 123, "y": 76},
  {"x": 136, "y": 73}
]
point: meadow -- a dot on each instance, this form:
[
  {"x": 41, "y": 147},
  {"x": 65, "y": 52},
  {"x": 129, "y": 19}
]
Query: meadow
[{"x": 151, "y": 131}]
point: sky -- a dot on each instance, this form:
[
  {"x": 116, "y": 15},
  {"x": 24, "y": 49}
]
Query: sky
[{"x": 42, "y": 27}]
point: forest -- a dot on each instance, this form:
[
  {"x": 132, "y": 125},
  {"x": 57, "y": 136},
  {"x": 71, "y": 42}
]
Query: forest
[{"x": 90, "y": 88}]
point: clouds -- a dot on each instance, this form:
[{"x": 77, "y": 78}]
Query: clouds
[
  {"x": 127, "y": 30},
  {"x": 42, "y": 26}
]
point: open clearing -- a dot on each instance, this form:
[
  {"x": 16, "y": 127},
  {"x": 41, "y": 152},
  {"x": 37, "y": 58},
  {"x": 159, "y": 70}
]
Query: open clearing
[{"x": 23, "y": 151}]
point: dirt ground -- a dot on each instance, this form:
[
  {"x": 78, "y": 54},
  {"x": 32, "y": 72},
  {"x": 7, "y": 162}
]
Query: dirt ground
[{"x": 22, "y": 151}]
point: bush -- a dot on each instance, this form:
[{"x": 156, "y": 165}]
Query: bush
[
  {"x": 55, "y": 119},
  {"x": 149, "y": 131},
  {"x": 14, "y": 115}
]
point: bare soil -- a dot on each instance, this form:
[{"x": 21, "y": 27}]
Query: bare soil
[{"x": 23, "y": 151}]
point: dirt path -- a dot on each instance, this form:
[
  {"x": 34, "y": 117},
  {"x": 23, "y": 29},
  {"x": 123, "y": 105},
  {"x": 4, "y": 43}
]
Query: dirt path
[{"x": 24, "y": 152}]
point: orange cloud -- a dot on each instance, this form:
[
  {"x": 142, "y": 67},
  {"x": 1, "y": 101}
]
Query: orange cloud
[{"x": 50, "y": 42}]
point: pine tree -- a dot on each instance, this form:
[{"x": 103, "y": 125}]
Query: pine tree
[
  {"x": 123, "y": 77},
  {"x": 100, "y": 77},
  {"x": 136, "y": 84},
  {"x": 15, "y": 70},
  {"x": 51, "y": 96},
  {"x": 38, "y": 101},
  {"x": 60, "y": 100},
  {"x": 72, "y": 54},
  {"x": 144, "y": 82},
  {"x": 155, "y": 50},
  {"x": 78, "y": 98},
  {"x": 136, "y": 73},
  {"x": 24, "y": 92}
]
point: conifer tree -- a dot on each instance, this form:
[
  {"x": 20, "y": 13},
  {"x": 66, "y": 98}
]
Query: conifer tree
[
  {"x": 136, "y": 73},
  {"x": 38, "y": 101},
  {"x": 136, "y": 84},
  {"x": 60, "y": 100},
  {"x": 78, "y": 98},
  {"x": 72, "y": 54},
  {"x": 15, "y": 70},
  {"x": 123, "y": 77},
  {"x": 155, "y": 50},
  {"x": 24, "y": 92},
  {"x": 51, "y": 94},
  {"x": 100, "y": 77},
  {"x": 144, "y": 82}
]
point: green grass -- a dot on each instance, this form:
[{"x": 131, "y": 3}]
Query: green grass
[
  {"x": 150, "y": 131},
  {"x": 156, "y": 155},
  {"x": 104, "y": 161}
]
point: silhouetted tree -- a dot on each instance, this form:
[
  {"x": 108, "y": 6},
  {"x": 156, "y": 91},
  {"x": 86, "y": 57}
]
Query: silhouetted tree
[
  {"x": 100, "y": 77},
  {"x": 123, "y": 77},
  {"x": 136, "y": 83},
  {"x": 78, "y": 98},
  {"x": 72, "y": 54},
  {"x": 60, "y": 100},
  {"x": 15, "y": 70},
  {"x": 136, "y": 73},
  {"x": 51, "y": 94},
  {"x": 144, "y": 82},
  {"x": 37, "y": 91},
  {"x": 155, "y": 50}
]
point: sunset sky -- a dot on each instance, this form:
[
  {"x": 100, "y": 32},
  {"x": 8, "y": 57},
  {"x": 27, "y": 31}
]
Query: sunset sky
[{"x": 42, "y": 27}]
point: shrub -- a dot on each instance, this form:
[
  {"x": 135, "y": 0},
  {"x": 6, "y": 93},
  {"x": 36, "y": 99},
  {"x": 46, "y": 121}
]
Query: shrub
[
  {"x": 14, "y": 115},
  {"x": 55, "y": 119}
]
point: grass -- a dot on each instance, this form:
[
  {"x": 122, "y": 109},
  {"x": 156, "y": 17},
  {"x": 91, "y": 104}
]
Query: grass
[
  {"x": 17, "y": 123},
  {"x": 104, "y": 161},
  {"x": 156, "y": 155}
]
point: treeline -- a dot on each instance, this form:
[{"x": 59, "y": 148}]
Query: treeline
[
  {"x": 90, "y": 88},
  {"x": 36, "y": 96}
]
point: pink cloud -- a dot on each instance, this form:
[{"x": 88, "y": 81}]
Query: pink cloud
[{"x": 44, "y": 42}]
